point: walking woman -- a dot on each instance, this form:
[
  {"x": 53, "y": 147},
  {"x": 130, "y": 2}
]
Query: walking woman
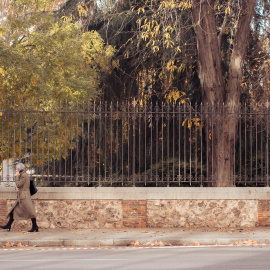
[{"x": 23, "y": 207}]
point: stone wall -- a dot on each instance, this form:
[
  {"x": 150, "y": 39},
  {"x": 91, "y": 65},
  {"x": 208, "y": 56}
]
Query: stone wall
[
  {"x": 141, "y": 214},
  {"x": 202, "y": 213},
  {"x": 78, "y": 214},
  {"x": 129, "y": 208}
]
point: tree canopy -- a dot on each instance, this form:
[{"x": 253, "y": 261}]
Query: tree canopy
[
  {"x": 47, "y": 58},
  {"x": 209, "y": 52}
]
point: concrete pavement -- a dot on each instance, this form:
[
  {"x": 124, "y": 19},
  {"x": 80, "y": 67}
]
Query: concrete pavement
[{"x": 135, "y": 237}]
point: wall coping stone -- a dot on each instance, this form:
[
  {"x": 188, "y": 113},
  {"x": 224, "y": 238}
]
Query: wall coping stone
[{"x": 144, "y": 193}]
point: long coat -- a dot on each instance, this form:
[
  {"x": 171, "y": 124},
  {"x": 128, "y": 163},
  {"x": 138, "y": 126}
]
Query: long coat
[{"x": 23, "y": 208}]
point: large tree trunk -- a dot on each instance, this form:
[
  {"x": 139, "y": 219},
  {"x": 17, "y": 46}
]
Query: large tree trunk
[{"x": 221, "y": 128}]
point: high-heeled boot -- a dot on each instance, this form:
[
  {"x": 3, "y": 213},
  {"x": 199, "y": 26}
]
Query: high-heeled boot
[
  {"x": 8, "y": 226},
  {"x": 34, "y": 225}
]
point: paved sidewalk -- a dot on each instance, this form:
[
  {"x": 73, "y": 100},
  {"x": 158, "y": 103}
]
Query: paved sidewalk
[{"x": 135, "y": 237}]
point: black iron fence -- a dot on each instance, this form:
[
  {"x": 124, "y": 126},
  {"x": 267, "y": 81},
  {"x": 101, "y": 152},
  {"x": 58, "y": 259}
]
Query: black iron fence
[{"x": 133, "y": 144}]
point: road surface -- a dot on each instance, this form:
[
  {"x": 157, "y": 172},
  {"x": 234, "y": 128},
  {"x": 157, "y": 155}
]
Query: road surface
[{"x": 131, "y": 258}]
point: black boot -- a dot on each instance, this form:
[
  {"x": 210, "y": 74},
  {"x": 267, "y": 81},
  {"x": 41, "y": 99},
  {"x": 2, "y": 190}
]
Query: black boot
[
  {"x": 8, "y": 226},
  {"x": 34, "y": 225}
]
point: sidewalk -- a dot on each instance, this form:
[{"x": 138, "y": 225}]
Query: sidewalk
[{"x": 135, "y": 237}]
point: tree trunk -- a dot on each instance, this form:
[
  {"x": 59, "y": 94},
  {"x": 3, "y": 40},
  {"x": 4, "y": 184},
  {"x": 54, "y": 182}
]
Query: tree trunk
[{"x": 221, "y": 128}]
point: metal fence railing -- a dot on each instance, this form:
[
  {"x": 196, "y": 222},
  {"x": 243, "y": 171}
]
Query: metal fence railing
[{"x": 130, "y": 144}]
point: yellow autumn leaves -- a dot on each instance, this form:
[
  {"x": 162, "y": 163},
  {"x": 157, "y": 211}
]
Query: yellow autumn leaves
[{"x": 53, "y": 60}]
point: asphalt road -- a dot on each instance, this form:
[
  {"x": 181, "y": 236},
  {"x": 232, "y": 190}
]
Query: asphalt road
[{"x": 131, "y": 258}]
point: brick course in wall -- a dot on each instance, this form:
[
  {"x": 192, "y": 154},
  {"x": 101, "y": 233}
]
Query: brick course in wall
[
  {"x": 263, "y": 213},
  {"x": 134, "y": 213}
]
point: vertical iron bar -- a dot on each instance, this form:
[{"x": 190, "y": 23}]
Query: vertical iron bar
[
  {"x": 48, "y": 152},
  {"x": 94, "y": 142},
  {"x": 2, "y": 161},
  {"x": 105, "y": 142},
  {"x": 111, "y": 175},
  {"x": 14, "y": 139},
  {"x": 117, "y": 140},
  {"x": 8, "y": 128},
  {"x": 207, "y": 114},
  {"x": 173, "y": 150},
  {"x": 213, "y": 110},
  {"x": 218, "y": 142},
  {"x": 234, "y": 145},
  {"x": 66, "y": 138},
  {"x": 99, "y": 154},
  {"x": 71, "y": 116},
  {"x": 157, "y": 137},
  {"x": 122, "y": 142},
  {"x": 54, "y": 139},
  {"x": 88, "y": 143},
  {"x": 267, "y": 145},
  {"x": 43, "y": 145},
  {"x": 128, "y": 138},
  {"x": 168, "y": 144},
  {"x": 37, "y": 163},
  {"x": 133, "y": 143},
  {"x": 60, "y": 144},
  {"x": 196, "y": 141},
  {"x": 229, "y": 116},
  {"x": 256, "y": 142},
  {"x": 201, "y": 146},
  {"x": 140, "y": 123},
  {"x": 223, "y": 142},
  {"x": 31, "y": 140},
  {"x": 77, "y": 146},
  {"x": 179, "y": 143},
  {"x": 151, "y": 141},
  {"x": 20, "y": 150},
  {"x": 261, "y": 147},
  {"x": 162, "y": 142},
  {"x": 251, "y": 154},
  {"x": 82, "y": 165},
  {"x": 190, "y": 147},
  {"x": 245, "y": 144},
  {"x": 240, "y": 145},
  {"x": 145, "y": 145},
  {"x": 185, "y": 140}
]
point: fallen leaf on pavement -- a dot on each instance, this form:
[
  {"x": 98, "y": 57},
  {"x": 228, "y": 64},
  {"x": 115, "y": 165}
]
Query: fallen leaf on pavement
[
  {"x": 136, "y": 243},
  {"x": 8, "y": 244},
  {"x": 247, "y": 242},
  {"x": 155, "y": 244}
]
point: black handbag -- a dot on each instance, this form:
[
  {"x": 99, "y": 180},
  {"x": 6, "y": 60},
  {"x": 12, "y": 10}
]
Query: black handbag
[{"x": 33, "y": 189}]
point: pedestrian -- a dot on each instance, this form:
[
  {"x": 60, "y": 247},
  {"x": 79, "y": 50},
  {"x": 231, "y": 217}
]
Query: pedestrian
[{"x": 23, "y": 208}]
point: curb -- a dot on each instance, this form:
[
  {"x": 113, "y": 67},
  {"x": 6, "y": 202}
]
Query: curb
[{"x": 128, "y": 242}]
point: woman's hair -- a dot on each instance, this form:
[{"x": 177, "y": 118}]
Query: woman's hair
[{"x": 20, "y": 167}]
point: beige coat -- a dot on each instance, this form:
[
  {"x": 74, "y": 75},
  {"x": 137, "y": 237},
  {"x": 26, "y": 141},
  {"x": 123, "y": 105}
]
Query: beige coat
[{"x": 23, "y": 207}]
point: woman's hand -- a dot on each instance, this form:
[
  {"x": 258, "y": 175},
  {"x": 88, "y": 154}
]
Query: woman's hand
[{"x": 17, "y": 189}]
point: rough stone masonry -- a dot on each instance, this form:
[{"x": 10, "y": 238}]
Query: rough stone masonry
[{"x": 120, "y": 208}]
